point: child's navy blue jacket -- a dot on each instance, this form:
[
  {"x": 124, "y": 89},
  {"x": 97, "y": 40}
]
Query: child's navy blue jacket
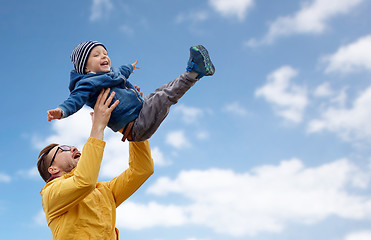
[{"x": 84, "y": 89}]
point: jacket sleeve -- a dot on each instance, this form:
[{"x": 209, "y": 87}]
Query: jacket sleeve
[
  {"x": 126, "y": 70},
  {"x": 140, "y": 169},
  {"x": 78, "y": 97},
  {"x": 63, "y": 194}
]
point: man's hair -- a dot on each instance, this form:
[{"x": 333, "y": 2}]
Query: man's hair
[{"x": 43, "y": 163}]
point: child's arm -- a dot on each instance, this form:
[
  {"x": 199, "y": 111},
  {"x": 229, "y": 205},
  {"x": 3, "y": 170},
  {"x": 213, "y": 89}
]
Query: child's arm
[
  {"x": 128, "y": 69},
  {"x": 78, "y": 97},
  {"x": 54, "y": 114}
]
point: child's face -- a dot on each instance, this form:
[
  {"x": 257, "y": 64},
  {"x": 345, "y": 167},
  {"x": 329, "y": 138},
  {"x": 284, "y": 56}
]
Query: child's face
[{"x": 98, "y": 61}]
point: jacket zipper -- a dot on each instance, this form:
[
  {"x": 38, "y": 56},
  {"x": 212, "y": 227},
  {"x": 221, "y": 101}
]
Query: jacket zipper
[{"x": 136, "y": 92}]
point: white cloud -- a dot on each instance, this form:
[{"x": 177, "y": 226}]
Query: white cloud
[
  {"x": 232, "y": 8},
  {"x": 193, "y": 16},
  {"x": 177, "y": 139},
  {"x": 361, "y": 235},
  {"x": 236, "y": 109},
  {"x": 189, "y": 114},
  {"x": 349, "y": 123},
  {"x": 158, "y": 157},
  {"x": 73, "y": 130},
  {"x": 193, "y": 238},
  {"x": 116, "y": 155},
  {"x": 333, "y": 97},
  {"x": 29, "y": 173},
  {"x": 323, "y": 90},
  {"x": 5, "y": 178},
  {"x": 100, "y": 8},
  {"x": 131, "y": 215},
  {"x": 202, "y": 135},
  {"x": 353, "y": 57},
  {"x": 312, "y": 18},
  {"x": 40, "y": 218},
  {"x": 341, "y": 97},
  {"x": 128, "y": 30},
  {"x": 288, "y": 99},
  {"x": 265, "y": 199}
]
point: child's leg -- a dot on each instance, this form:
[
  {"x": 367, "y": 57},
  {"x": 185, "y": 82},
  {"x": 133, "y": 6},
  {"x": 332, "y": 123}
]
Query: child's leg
[{"x": 156, "y": 105}]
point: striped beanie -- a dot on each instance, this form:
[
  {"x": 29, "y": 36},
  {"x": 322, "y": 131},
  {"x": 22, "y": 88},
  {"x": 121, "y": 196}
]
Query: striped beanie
[{"x": 80, "y": 55}]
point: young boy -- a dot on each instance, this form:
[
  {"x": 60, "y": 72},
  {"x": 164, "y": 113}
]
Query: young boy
[{"x": 136, "y": 118}]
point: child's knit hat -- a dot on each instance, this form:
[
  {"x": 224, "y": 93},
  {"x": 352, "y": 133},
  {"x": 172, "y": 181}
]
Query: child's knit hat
[{"x": 80, "y": 54}]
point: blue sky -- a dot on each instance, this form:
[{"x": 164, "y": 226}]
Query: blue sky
[{"x": 276, "y": 145}]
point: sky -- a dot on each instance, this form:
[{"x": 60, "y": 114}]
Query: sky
[{"x": 275, "y": 145}]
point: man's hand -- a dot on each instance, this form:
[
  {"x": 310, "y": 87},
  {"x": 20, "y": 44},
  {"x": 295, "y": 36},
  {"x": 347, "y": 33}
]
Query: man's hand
[
  {"x": 138, "y": 89},
  {"x": 54, "y": 114},
  {"x": 102, "y": 113}
]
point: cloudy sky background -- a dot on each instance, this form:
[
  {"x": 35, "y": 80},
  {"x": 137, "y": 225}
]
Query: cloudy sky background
[{"x": 276, "y": 145}]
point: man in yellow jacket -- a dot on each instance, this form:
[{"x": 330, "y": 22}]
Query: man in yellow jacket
[{"x": 76, "y": 205}]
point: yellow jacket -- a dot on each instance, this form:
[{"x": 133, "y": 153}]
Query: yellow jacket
[{"x": 77, "y": 206}]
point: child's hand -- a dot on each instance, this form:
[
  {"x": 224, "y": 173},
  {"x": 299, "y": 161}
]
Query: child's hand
[
  {"x": 54, "y": 114},
  {"x": 135, "y": 65}
]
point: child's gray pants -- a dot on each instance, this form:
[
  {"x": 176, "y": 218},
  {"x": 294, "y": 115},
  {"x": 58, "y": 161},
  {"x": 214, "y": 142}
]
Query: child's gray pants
[{"x": 156, "y": 105}]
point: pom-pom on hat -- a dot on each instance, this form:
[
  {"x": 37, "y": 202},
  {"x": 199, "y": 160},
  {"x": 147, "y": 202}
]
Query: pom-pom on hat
[{"x": 80, "y": 55}]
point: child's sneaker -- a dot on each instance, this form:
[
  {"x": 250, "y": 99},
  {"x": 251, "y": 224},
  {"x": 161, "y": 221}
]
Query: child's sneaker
[{"x": 199, "y": 62}]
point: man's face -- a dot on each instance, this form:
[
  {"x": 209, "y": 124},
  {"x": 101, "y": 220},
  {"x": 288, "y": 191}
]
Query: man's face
[
  {"x": 98, "y": 60},
  {"x": 65, "y": 158}
]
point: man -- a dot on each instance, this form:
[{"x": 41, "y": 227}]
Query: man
[{"x": 76, "y": 205}]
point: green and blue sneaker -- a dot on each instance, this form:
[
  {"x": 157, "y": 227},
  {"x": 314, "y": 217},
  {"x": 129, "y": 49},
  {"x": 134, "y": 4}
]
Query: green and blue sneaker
[{"x": 199, "y": 62}]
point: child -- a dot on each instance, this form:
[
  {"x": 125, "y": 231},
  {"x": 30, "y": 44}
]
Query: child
[{"x": 136, "y": 118}]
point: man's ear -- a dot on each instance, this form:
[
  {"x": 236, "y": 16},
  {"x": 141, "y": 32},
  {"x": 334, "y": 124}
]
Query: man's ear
[{"x": 53, "y": 170}]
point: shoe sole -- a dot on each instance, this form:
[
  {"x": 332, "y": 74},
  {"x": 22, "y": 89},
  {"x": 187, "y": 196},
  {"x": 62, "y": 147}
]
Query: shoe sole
[{"x": 209, "y": 66}]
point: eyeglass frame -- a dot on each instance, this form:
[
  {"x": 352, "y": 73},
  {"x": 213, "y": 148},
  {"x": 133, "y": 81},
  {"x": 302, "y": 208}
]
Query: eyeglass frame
[{"x": 63, "y": 150}]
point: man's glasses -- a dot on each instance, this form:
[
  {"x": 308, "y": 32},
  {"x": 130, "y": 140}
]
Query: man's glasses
[{"x": 63, "y": 148}]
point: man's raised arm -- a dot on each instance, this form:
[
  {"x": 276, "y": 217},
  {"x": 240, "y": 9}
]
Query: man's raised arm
[
  {"x": 140, "y": 169},
  {"x": 61, "y": 195}
]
